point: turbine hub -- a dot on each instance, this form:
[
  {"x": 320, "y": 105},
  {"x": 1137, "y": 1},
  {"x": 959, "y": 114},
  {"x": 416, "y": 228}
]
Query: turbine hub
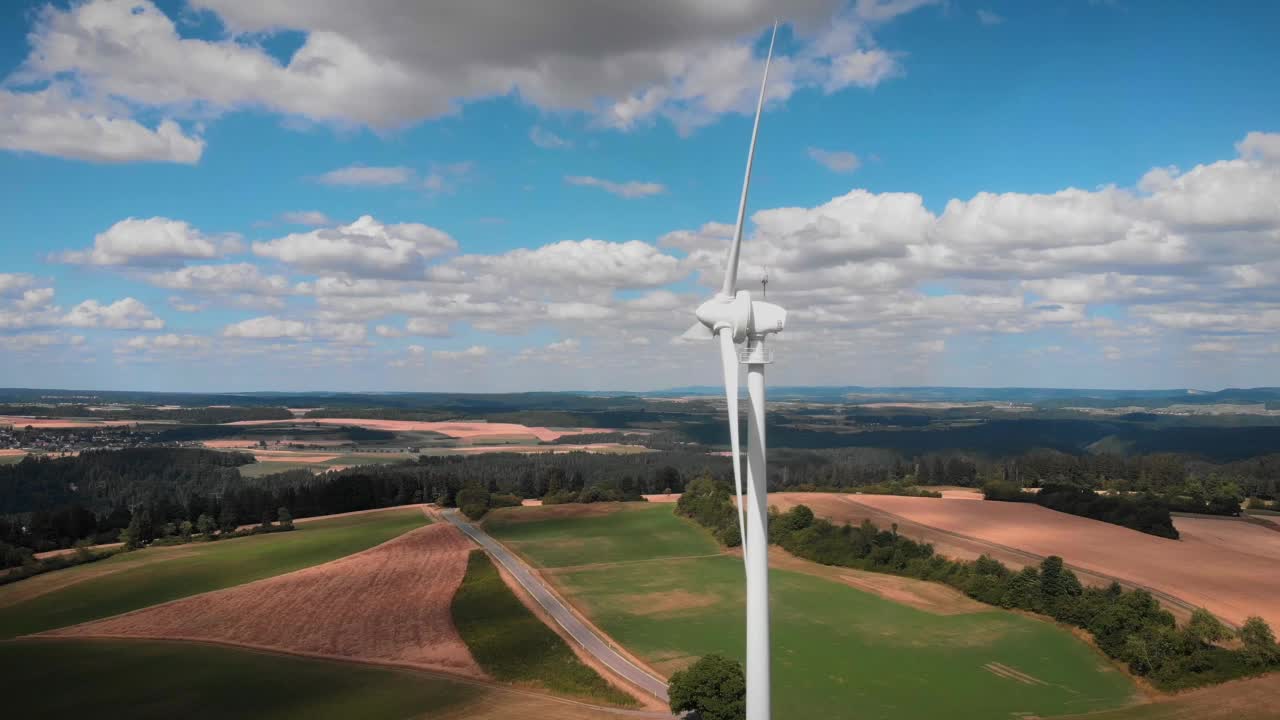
[{"x": 722, "y": 311}]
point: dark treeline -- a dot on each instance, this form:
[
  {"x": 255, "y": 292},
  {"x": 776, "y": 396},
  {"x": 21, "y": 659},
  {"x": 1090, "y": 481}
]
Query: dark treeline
[
  {"x": 209, "y": 415},
  {"x": 1143, "y": 512},
  {"x": 1129, "y": 626},
  {"x": 94, "y": 494}
]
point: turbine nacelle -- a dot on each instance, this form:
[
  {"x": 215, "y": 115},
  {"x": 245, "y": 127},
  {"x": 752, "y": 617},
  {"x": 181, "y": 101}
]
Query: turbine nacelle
[
  {"x": 733, "y": 313},
  {"x": 740, "y": 315}
]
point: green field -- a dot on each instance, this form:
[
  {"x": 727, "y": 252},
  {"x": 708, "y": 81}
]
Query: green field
[
  {"x": 513, "y": 645},
  {"x": 76, "y": 679},
  {"x": 157, "y": 575},
  {"x": 838, "y": 652},
  {"x": 260, "y": 469},
  {"x": 628, "y": 532},
  {"x": 11, "y": 459}
]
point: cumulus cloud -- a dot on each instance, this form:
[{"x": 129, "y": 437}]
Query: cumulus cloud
[
  {"x": 365, "y": 248},
  {"x": 219, "y": 279},
  {"x": 270, "y": 327},
  {"x": 267, "y": 327},
  {"x": 835, "y": 160},
  {"x": 11, "y": 283},
  {"x": 52, "y": 122},
  {"x": 167, "y": 344},
  {"x": 623, "y": 65},
  {"x": 630, "y": 189},
  {"x": 150, "y": 242},
  {"x": 124, "y": 314}
]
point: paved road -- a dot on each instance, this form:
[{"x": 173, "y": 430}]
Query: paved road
[{"x": 589, "y": 639}]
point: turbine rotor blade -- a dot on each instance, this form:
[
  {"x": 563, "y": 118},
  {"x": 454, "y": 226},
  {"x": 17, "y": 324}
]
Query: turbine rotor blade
[
  {"x": 697, "y": 331},
  {"x": 731, "y": 269},
  {"x": 729, "y": 358}
]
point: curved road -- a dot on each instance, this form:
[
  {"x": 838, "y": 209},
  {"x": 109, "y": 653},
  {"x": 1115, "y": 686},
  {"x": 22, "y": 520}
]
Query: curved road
[{"x": 589, "y": 639}]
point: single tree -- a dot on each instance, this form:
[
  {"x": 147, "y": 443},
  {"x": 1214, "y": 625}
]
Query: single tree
[
  {"x": 714, "y": 686},
  {"x": 227, "y": 519},
  {"x": 285, "y": 517},
  {"x": 1260, "y": 647},
  {"x": 206, "y": 525}
]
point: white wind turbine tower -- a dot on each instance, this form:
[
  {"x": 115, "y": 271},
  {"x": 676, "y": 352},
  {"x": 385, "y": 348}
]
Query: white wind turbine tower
[{"x": 734, "y": 317}]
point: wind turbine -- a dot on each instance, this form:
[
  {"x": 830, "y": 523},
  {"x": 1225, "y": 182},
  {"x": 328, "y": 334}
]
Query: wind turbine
[{"x": 733, "y": 317}]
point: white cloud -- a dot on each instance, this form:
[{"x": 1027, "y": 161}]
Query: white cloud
[
  {"x": 475, "y": 351},
  {"x": 836, "y": 161},
  {"x": 1260, "y": 146},
  {"x": 167, "y": 343},
  {"x": 619, "y": 63},
  {"x": 546, "y": 139},
  {"x": 630, "y": 189},
  {"x": 11, "y": 283},
  {"x": 268, "y": 327},
  {"x": 365, "y": 248},
  {"x": 427, "y": 327},
  {"x": 386, "y": 331},
  {"x": 51, "y": 122},
  {"x": 220, "y": 279},
  {"x": 315, "y": 218},
  {"x": 356, "y": 175},
  {"x": 124, "y": 314},
  {"x": 986, "y": 17},
  {"x": 579, "y": 311},
  {"x": 150, "y": 242}
]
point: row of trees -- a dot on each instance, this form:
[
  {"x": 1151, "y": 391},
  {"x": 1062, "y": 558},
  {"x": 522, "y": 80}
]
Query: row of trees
[
  {"x": 1129, "y": 626},
  {"x": 1144, "y": 512}
]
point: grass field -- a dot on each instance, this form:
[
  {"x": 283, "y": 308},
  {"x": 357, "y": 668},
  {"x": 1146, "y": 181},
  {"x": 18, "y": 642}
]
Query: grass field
[
  {"x": 564, "y": 536},
  {"x": 260, "y": 469},
  {"x": 1251, "y": 699},
  {"x": 160, "y": 681},
  {"x": 838, "y": 652},
  {"x": 513, "y": 645},
  {"x": 192, "y": 569}
]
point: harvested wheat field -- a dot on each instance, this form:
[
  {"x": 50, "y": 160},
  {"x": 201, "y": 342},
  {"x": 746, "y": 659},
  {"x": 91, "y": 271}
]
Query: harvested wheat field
[
  {"x": 459, "y": 430},
  {"x": 1218, "y": 564},
  {"x": 387, "y": 605},
  {"x": 11, "y": 452}
]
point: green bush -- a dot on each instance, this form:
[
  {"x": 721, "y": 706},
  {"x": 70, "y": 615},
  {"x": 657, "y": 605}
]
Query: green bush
[{"x": 714, "y": 686}]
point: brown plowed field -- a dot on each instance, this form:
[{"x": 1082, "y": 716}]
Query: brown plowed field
[
  {"x": 1221, "y": 565},
  {"x": 388, "y": 605}
]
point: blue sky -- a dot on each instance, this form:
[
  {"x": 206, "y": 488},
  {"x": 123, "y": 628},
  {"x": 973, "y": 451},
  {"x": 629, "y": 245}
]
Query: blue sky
[{"x": 1066, "y": 193}]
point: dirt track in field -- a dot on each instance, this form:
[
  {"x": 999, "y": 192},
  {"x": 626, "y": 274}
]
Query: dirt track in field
[
  {"x": 387, "y": 605},
  {"x": 1222, "y": 565}
]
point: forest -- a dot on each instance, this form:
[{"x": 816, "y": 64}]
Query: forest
[
  {"x": 93, "y": 495},
  {"x": 1145, "y": 512}
]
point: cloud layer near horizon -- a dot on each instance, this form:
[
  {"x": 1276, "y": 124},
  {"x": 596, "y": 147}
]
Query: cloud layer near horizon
[{"x": 1180, "y": 264}]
